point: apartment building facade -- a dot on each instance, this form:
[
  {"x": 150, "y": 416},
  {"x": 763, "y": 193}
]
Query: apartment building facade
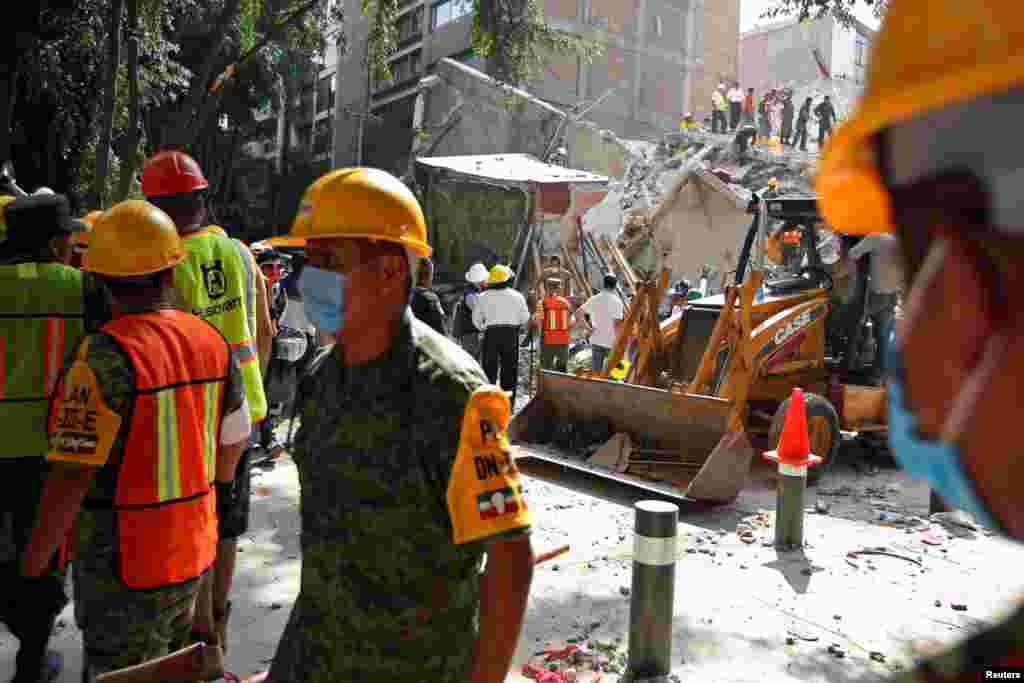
[
  {"x": 661, "y": 59},
  {"x": 801, "y": 52}
]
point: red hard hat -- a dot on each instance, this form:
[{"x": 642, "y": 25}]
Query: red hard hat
[{"x": 171, "y": 173}]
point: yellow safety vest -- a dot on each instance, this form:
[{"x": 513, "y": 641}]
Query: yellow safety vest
[{"x": 214, "y": 282}]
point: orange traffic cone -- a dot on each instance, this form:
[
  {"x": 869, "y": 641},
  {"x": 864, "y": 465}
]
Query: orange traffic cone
[{"x": 794, "y": 444}]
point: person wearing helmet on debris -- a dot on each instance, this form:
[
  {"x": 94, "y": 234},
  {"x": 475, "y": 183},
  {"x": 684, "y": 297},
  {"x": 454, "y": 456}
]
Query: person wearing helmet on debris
[
  {"x": 606, "y": 312},
  {"x": 217, "y": 282},
  {"x": 426, "y": 304},
  {"x": 149, "y": 414},
  {"x": 802, "y": 119},
  {"x": 924, "y": 157},
  {"x": 464, "y": 329},
  {"x": 786, "y": 132},
  {"x": 406, "y": 478},
  {"x": 46, "y": 306},
  {"x": 501, "y": 313}
]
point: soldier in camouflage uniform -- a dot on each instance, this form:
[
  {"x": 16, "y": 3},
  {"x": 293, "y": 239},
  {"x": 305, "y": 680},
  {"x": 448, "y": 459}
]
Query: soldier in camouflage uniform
[
  {"x": 406, "y": 477},
  {"x": 922, "y": 158},
  {"x": 97, "y": 415}
]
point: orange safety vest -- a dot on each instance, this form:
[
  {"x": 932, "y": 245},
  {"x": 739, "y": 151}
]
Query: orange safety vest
[
  {"x": 556, "y": 320},
  {"x": 165, "y": 501}
]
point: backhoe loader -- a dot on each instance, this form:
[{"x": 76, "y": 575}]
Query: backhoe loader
[{"x": 724, "y": 377}]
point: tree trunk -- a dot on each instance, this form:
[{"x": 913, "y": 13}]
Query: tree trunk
[
  {"x": 130, "y": 144},
  {"x": 107, "y": 121},
  {"x": 183, "y": 133},
  {"x": 8, "y": 82}
]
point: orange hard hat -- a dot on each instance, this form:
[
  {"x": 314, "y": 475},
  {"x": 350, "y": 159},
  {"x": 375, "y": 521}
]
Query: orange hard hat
[{"x": 171, "y": 172}]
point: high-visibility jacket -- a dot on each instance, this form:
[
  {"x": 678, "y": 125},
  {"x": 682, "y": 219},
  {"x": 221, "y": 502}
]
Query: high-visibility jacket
[
  {"x": 165, "y": 499},
  {"x": 215, "y": 282},
  {"x": 42, "y": 317},
  {"x": 556, "y": 320}
]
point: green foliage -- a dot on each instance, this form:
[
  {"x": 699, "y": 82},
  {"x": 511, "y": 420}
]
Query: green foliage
[
  {"x": 841, "y": 10},
  {"x": 513, "y": 36},
  {"x": 382, "y": 41}
]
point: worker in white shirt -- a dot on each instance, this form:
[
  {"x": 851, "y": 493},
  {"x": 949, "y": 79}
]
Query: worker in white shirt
[
  {"x": 500, "y": 312},
  {"x": 606, "y": 312},
  {"x": 884, "y": 283},
  {"x": 735, "y": 97}
]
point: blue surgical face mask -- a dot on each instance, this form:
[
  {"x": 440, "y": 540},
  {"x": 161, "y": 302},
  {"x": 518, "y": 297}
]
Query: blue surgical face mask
[
  {"x": 936, "y": 461},
  {"x": 323, "y": 297}
]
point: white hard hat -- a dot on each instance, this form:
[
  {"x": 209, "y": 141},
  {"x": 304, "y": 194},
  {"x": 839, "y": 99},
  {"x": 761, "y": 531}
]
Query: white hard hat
[
  {"x": 43, "y": 190},
  {"x": 477, "y": 273}
]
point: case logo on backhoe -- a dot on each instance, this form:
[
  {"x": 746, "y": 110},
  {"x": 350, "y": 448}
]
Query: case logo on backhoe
[{"x": 786, "y": 333}]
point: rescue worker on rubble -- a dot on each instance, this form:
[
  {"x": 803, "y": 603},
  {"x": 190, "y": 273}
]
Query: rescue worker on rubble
[
  {"x": 154, "y": 391},
  {"x": 884, "y": 284},
  {"x": 426, "y": 305},
  {"x": 45, "y": 308},
  {"x": 554, "y": 316},
  {"x": 400, "y": 505},
  {"x": 272, "y": 266},
  {"x": 680, "y": 294},
  {"x": 501, "y": 313},
  {"x": 802, "y": 119},
  {"x": 924, "y": 157},
  {"x": 463, "y": 328},
  {"x": 217, "y": 282},
  {"x": 606, "y": 313}
]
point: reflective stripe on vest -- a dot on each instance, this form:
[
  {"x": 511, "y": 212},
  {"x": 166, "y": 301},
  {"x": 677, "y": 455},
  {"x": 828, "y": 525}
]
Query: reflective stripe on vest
[
  {"x": 215, "y": 284},
  {"x": 166, "y": 507},
  {"x": 42, "y": 317},
  {"x": 556, "y": 320}
]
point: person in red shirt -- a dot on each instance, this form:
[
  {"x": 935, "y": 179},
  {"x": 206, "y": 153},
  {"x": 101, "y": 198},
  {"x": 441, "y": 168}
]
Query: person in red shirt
[{"x": 554, "y": 316}]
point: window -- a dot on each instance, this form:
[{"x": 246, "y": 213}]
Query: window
[
  {"x": 403, "y": 69},
  {"x": 448, "y": 11},
  {"x": 325, "y": 94},
  {"x": 322, "y": 137},
  {"x": 859, "y": 50},
  {"x": 410, "y": 25}
]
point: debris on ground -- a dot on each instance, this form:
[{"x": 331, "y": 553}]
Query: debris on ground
[{"x": 575, "y": 662}]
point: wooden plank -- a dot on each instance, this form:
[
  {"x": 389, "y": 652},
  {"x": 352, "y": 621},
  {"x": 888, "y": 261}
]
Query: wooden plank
[
  {"x": 722, "y": 326},
  {"x": 623, "y": 263}
]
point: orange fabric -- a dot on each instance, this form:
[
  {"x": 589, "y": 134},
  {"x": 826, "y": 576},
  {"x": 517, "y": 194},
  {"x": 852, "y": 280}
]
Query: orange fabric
[
  {"x": 167, "y": 521},
  {"x": 556, "y": 320}
]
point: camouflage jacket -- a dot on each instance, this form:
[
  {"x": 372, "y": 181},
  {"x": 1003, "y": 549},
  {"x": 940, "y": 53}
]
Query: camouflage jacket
[
  {"x": 386, "y": 593},
  {"x": 115, "y": 375}
]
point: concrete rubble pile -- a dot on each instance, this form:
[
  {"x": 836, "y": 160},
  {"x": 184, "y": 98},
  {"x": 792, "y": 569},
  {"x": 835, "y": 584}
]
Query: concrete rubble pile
[{"x": 682, "y": 201}]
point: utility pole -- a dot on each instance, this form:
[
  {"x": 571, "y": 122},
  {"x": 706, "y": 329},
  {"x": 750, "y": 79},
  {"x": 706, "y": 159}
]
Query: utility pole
[{"x": 362, "y": 116}]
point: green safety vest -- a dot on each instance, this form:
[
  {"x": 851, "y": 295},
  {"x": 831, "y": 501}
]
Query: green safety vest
[
  {"x": 215, "y": 283},
  {"x": 42, "y": 319}
]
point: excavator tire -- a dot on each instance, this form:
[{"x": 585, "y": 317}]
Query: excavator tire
[{"x": 822, "y": 429}]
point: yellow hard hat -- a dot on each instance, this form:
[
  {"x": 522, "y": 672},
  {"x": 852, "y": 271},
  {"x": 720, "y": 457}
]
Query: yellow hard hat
[
  {"x": 366, "y": 203},
  {"x": 80, "y": 238},
  {"x": 500, "y": 274},
  {"x": 285, "y": 241},
  {"x": 133, "y": 238},
  {"x": 304, "y": 216},
  {"x": 620, "y": 370},
  {"x": 972, "y": 49},
  {"x": 4, "y": 201}
]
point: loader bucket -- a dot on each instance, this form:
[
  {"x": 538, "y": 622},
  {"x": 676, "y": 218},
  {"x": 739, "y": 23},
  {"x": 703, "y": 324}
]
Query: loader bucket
[{"x": 683, "y": 432}]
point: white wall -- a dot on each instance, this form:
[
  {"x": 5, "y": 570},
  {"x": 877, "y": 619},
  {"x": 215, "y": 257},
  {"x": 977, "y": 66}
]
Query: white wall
[{"x": 844, "y": 46}]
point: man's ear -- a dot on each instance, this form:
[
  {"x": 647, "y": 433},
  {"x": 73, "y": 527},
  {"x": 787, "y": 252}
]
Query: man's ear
[{"x": 394, "y": 269}]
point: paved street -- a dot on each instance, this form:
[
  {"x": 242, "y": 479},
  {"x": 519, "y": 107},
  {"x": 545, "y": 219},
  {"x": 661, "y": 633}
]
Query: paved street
[{"x": 737, "y": 603}]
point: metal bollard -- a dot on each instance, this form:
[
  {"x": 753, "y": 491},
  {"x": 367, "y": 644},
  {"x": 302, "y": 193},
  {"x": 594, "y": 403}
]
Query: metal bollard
[
  {"x": 789, "y": 506},
  {"x": 654, "y": 578},
  {"x": 793, "y": 457}
]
